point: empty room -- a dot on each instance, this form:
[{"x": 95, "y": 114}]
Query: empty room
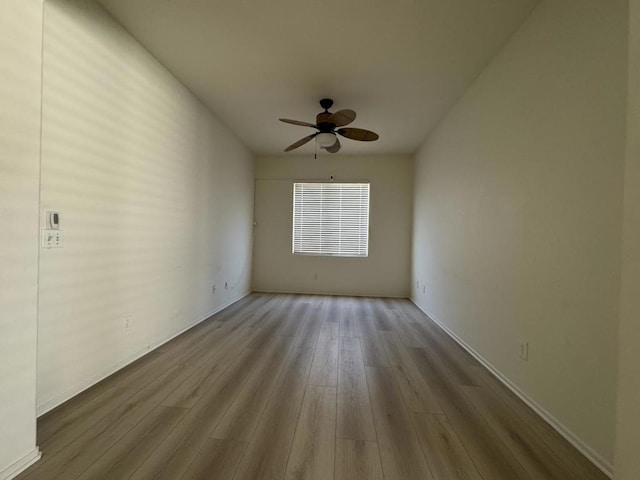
[{"x": 311, "y": 239}]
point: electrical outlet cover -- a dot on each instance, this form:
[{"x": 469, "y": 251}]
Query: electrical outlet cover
[{"x": 524, "y": 350}]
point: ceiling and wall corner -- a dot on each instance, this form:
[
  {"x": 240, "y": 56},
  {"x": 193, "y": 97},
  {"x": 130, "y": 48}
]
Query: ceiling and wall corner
[{"x": 400, "y": 65}]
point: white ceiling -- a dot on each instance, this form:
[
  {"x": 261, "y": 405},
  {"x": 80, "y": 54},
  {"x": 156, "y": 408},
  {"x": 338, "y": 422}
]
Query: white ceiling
[{"x": 400, "y": 64}]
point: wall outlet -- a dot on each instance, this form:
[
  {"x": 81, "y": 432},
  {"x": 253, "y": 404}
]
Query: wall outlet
[
  {"x": 126, "y": 322},
  {"x": 213, "y": 289},
  {"x": 424, "y": 288},
  {"x": 523, "y": 350},
  {"x": 226, "y": 285}
]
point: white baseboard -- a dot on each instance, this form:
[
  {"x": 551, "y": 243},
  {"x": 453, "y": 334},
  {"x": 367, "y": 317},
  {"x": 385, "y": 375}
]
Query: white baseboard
[
  {"x": 333, "y": 294},
  {"x": 593, "y": 456},
  {"x": 59, "y": 399},
  {"x": 21, "y": 465}
]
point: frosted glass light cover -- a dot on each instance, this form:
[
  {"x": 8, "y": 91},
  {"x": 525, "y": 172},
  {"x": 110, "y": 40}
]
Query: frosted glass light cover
[{"x": 325, "y": 139}]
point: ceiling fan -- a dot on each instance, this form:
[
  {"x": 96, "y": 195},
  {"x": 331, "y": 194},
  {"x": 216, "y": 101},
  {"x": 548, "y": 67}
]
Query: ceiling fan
[{"x": 329, "y": 126}]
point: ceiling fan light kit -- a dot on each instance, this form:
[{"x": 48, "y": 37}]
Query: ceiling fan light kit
[
  {"x": 325, "y": 140},
  {"x": 328, "y": 124}
]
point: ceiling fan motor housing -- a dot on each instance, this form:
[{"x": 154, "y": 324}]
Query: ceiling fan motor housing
[{"x": 324, "y": 126}]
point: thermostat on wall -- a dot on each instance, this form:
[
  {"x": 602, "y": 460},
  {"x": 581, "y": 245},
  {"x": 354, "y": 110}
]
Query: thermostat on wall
[{"x": 53, "y": 220}]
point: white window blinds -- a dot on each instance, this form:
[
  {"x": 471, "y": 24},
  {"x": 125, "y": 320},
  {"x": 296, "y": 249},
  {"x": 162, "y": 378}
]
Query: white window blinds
[{"x": 331, "y": 219}]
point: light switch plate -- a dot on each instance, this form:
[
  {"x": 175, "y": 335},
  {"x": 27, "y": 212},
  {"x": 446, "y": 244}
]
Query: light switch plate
[{"x": 52, "y": 238}]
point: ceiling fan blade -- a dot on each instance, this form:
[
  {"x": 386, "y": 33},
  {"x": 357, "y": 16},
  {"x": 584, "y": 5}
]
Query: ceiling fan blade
[
  {"x": 335, "y": 147},
  {"x": 358, "y": 134},
  {"x": 342, "y": 117},
  {"x": 298, "y": 122},
  {"x": 300, "y": 142}
]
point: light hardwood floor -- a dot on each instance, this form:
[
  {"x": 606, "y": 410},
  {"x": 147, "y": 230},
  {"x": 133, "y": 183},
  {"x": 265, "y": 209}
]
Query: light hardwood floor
[{"x": 305, "y": 387}]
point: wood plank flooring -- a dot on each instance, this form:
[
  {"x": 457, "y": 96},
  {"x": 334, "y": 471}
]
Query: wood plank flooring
[{"x": 291, "y": 387}]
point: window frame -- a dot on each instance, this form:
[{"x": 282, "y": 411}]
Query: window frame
[{"x": 362, "y": 248}]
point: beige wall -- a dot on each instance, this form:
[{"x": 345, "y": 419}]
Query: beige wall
[
  {"x": 384, "y": 272},
  {"x": 20, "y": 83},
  {"x": 628, "y": 435},
  {"x": 156, "y": 201},
  {"x": 518, "y": 219}
]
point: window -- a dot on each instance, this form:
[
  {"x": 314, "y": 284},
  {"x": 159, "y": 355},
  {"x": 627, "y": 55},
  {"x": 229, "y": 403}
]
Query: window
[{"x": 331, "y": 219}]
